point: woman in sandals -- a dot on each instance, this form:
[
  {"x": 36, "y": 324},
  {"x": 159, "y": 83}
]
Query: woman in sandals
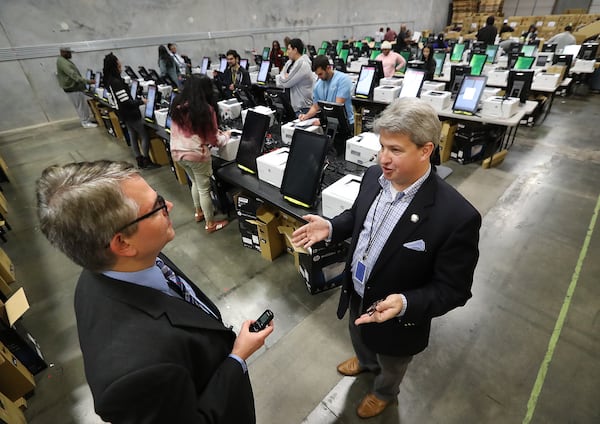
[{"x": 194, "y": 131}]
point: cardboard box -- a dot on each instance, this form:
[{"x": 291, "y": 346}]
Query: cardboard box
[
  {"x": 22, "y": 344},
  {"x": 323, "y": 266},
  {"x": 246, "y": 205},
  {"x": 15, "y": 380},
  {"x": 180, "y": 174},
  {"x": 158, "y": 151},
  {"x": 271, "y": 243},
  {"x": 3, "y": 205},
  {"x": 10, "y": 412},
  {"x": 248, "y": 233},
  {"x": 287, "y": 225},
  {"x": 7, "y": 269},
  {"x": 446, "y": 140},
  {"x": 5, "y": 174},
  {"x": 116, "y": 124},
  {"x": 4, "y": 289}
]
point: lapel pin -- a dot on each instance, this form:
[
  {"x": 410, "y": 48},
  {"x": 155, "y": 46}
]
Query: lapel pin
[{"x": 414, "y": 218}]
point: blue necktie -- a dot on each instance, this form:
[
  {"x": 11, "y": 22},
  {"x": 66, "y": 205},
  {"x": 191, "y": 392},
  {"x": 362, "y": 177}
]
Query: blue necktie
[{"x": 180, "y": 288}]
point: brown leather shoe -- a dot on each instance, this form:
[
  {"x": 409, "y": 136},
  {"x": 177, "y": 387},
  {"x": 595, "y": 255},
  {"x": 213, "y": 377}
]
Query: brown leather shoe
[
  {"x": 371, "y": 406},
  {"x": 350, "y": 367}
]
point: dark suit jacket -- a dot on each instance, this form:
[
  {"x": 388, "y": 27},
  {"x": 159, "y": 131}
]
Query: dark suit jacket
[
  {"x": 433, "y": 281},
  {"x": 153, "y": 358}
]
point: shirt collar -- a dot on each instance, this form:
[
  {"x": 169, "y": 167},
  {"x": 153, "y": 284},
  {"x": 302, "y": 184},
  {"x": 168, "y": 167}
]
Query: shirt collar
[
  {"x": 151, "y": 277},
  {"x": 408, "y": 193}
]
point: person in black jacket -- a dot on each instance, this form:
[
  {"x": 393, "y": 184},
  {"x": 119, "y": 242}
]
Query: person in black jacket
[
  {"x": 129, "y": 111},
  {"x": 488, "y": 33},
  {"x": 429, "y": 62},
  {"x": 234, "y": 77}
]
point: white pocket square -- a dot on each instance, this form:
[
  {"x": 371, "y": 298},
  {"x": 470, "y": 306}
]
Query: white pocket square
[{"x": 418, "y": 245}]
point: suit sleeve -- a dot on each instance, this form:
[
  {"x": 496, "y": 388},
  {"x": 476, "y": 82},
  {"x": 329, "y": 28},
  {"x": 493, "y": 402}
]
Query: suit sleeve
[{"x": 166, "y": 393}]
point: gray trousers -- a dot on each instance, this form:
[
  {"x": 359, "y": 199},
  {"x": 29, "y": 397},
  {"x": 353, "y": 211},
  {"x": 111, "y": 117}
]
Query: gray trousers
[
  {"x": 137, "y": 131},
  {"x": 390, "y": 369},
  {"x": 79, "y": 100}
]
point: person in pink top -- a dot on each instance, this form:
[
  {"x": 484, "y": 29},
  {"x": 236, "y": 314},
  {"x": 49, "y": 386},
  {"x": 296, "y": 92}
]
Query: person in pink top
[
  {"x": 391, "y": 61},
  {"x": 194, "y": 131}
]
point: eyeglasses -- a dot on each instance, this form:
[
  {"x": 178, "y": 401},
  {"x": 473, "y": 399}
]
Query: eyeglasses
[{"x": 162, "y": 204}]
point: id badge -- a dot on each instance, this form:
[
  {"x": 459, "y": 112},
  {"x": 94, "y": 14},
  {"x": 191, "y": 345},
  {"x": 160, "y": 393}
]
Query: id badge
[{"x": 361, "y": 270}]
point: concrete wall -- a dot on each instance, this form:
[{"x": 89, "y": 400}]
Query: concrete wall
[{"x": 31, "y": 32}]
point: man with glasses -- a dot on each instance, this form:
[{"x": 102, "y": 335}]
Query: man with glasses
[{"x": 154, "y": 346}]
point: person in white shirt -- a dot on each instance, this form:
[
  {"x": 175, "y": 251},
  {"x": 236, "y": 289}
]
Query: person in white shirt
[
  {"x": 297, "y": 77},
  {"x": 563, "y": 39},
  {"x": 379, "y": 35}
]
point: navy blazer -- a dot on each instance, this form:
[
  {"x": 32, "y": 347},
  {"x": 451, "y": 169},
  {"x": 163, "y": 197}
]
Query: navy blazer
[
  {"x": 433, "y": 281},
  {"x": 153, "y": 358}
]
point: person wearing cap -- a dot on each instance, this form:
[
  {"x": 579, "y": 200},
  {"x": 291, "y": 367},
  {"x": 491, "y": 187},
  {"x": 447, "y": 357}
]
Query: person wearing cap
[
  {"x": 506, "y": 27},
  {"x": 390, "y": 60},
  {"x": 563, "y": 39},
  {"x": 73, "y": 83}
]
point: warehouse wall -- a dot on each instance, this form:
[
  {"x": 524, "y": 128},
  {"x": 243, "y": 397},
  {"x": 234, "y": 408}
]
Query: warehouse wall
[{"x": 31, "y": 32}]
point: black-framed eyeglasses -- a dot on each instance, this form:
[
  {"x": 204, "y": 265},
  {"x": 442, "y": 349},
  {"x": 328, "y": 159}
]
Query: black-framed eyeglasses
[{"x": 162, "y": 204}]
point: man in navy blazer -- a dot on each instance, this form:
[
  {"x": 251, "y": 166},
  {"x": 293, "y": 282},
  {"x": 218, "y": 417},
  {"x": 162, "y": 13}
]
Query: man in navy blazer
[
  {"x": 414, "y": 247},
  {"x": 155, "y": 349}
]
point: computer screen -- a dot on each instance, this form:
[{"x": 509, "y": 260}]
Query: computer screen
[
  {"x": 222, "y": 64},
  {"x": 519, "y": 84},
  {"x": 252, "y": 140},
  {"x": 515, "y": 48},
  {"x": 151, "y": 98},
  {"x": 378, "y": 66},
  {"x": 265, "y": 53},
  {"x": 344, "y": 55},
  {"x": 244, "y": 63},
  {"x": 324, "y": 45},
  {"x": 374, "y": 54},
  {"x": 457, "y": 74},
  {"x": 366, "y": 81},
  {"x": 304, "y": 168},
  {"x": 263, "y": 72},
  {"x": 168, "y": 120},
  {"x": 205, "y": 65},
  {"x": 133, "y": 89},
  {"x": 491, "y": 50},
  {"x": 413, "y": 81},
  {"x": 98, "y": 79},
  {"x": 406, "y": 56},
  {"x": 377, "y": 45},
  {"x": 549, "y": 48},
  {"x": 563, "y": 59},
  {"x": 477, "y": 63},
  {"x": 457, "y": 52},
  {"x": 543, "y": 59},
  {"x": 588, "y": 51},
  {"x": 339, "y": 46},
  {"x": 334, "y": 117},
  {"x": 524, "y": 62},
  {"x": 528, "y": 50},
  {"x": 144, "y": 73},
  {"x": 572, "y": 49},
  {"x": 130, "y": 72},
  {"x": 471, "y": 89},
  {"x": 88, "y": 77},
  {"x": 440, "y": 58},
  {"x": 322, "y": 51}
]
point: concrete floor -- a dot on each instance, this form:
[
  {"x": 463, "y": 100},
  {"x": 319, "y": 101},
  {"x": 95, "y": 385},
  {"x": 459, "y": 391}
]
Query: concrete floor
[{"x": 536, "y": 270}]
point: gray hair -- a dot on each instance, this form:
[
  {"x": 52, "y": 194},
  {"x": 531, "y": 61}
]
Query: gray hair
[
  {"x": 82, "y": 205},
  {"x": 412, "y": 117}
]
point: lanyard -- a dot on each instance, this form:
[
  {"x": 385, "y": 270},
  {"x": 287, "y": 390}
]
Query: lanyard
[{"x": 387, "y": 212}]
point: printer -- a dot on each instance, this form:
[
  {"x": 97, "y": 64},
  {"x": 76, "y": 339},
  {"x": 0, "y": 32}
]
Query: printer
[
  {"x": 262, "y": 110},
  {"x": 363, "y": 148},
  {"x": 440, "y": 100},
  {"x": 490, "y": 92},
  {"x": 230, "y": 108},
  {"x": 165, "y": 90},
  {"x": 546, "y": 82},
  {"x": 386, "y": 93},
  {"x": 161, "y": 116},
  {"x": 144, "y": 84},
  {"x": 228, "y": 152},
  {"x": 271, "y": 166},
  {"x": 340, "y": 195},
  {"x": 287, "y": 130},
  {"x": 390, "y": 81},
  {"x": 497, "y": 78},
  {"x": 500, "y": 107},
  {"x": 433, "y": 86}
]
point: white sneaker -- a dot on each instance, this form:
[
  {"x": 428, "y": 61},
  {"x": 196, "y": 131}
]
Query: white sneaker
[{"x": 88, "y": 125}]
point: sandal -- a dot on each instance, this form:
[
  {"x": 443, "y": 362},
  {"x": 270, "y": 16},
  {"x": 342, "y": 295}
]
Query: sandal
[
  {"x": 217, "y": 225},
  {"x": 199, "y": 216}
]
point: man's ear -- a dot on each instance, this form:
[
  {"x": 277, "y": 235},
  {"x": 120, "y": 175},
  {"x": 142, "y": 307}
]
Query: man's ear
[
  {"x": 427, "y": 150},
  {"x": 120, "y": 246}
]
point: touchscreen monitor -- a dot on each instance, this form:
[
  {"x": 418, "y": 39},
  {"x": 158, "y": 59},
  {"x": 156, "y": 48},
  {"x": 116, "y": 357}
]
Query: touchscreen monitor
[
  {"x": 366, "y": 82},
  {"x": 344, "y": 55},
  {"x": 413, "y": 81},
  {"x": 524, "y": 62},
  {"x": 252, "y": 140},
  {"x": 477, "y": 63},
  {"x": 440, "y": 58},
  {"x": 265, "y": 53},
  {"x": 491, "y": 50},
  {"x": 457, "y": 53},
  {"x": 304, "y": 168},
  {"x": 223, "y": 64},
  {"x": 471, "y": 89},
  {"x": 133, "y": 89},
  {"x": 205, "y": 65},
  {"x": 528, "y": 50},
  {"x": 149, "y": 110},
  {"x": 263, "y": 72}
]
